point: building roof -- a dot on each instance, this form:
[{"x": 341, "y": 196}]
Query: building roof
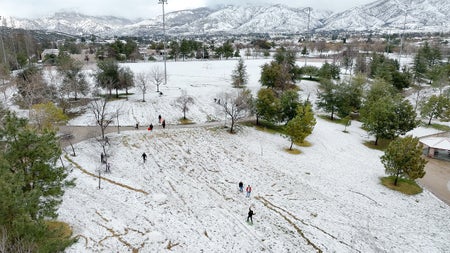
[{"x": 437, "y": 142}]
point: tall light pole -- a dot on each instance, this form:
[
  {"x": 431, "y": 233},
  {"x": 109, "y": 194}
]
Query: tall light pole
[
  {"x": 308, "y": 32},
  {"x": 162, "y": 2},
  {"x": 3, "y": 44}
]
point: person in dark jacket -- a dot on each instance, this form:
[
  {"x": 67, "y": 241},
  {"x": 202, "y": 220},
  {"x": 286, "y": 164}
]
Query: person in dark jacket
[
  {"x": 250, "y": 214},
  {"x": 144, "y": 156},
  {"x": 241, "y": 186}
]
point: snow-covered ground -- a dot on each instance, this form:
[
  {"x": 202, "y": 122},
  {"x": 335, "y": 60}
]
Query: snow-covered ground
[{"x": 185, "y": 198}]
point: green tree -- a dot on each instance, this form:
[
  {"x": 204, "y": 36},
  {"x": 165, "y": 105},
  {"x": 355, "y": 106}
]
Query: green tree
[
  {"x": 108, "y": 75},
  {"x": 388, "y": 117},
  {"x": 403, "y": 158},
  {"x": 74, "y": 81},
  {"x": 239, "y": 76},
  {"x": 267, "y": 105},
  {"x": 275, "y": 76},
  {"x": 289, "y": 101},
  {"x": 47, "y": 116},
  {"x": 286, "y": 58},
  {"x": 328, "y": 71},
  {"x": 309, "y": 71},
  {"x": 349, "y": 96},
  {"x": 174, "y": 50},
  {"x": 302, "y": 125},
  {"x": 31, "y": 184},
  {"x": 227, "y": 50},
  {"x": 434, "y": 107},
  {"x": 327, "y": 97},
  {"x": 125, "y": 80}
]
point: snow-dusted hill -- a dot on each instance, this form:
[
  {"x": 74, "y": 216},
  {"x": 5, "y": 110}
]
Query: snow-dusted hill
[
  {"x": 414, "y": 15},
  {"x": 185, "y": 198},
  {"x": 384, "y": 15}
]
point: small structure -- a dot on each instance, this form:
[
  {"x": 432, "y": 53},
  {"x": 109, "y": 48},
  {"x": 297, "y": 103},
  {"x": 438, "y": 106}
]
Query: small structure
[
  {"x": 435, "y": 145},
  {"x": 50, "y": 51}
]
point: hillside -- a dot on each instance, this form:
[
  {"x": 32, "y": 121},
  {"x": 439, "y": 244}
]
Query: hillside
[
  {"x": 378, "y": 16},
  {"x": 185, "y": 197}
]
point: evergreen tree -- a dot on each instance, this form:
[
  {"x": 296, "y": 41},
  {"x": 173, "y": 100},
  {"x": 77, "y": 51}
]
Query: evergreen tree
[
  {"x": 239, "y": 76},
  {"x": 302, "y": 125},
  {"x": 31, "y": 185},
  {"x": 289, "y": 101},
  {"x": 267, "y": 105},
  {"x": 329, "y": 71},
  {"x": 403, "y": 158},
  {"x": 327, "y": 97}
]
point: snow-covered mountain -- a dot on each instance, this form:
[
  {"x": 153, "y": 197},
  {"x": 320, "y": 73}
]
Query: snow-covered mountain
[
  {"x": 413, "y": 15},
  {"x": 382, "y": 15}
]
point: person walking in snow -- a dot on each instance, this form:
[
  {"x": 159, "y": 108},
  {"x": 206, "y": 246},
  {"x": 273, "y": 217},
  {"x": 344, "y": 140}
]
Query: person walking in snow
[
  {"x": 144, "y": 156},
  {"x": 164, "y": 123},
  {"x": 250, "y": 215},
  {"x": 159, "y": 118},
  {"x": 150, "y": 128},
  {"x": 241, "y": 186},
  {"x": 108, "y": 167},
  {"x": 248, "y": 190}
]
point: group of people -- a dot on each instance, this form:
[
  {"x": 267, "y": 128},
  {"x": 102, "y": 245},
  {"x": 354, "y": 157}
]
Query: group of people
[
  {"x": 248, "y": 191},
  {"x": 150, "y": 127}
]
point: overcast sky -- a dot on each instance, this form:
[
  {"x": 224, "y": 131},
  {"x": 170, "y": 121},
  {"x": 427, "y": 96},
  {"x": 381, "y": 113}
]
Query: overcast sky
[{"x": 146, "y": 8}]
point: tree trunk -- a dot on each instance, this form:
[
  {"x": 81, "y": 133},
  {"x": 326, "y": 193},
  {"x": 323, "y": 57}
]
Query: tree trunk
[
  {"x": 292, "y": 142},
  {"x": 232, "y": 125},
  {"x": 376, "y": 140},
  {"x": 429, "y": 122},
  {"x": 396, "y": 178}
]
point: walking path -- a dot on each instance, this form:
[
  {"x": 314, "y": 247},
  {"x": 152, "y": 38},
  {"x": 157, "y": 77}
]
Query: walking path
[{"x": 436, "y": 179}]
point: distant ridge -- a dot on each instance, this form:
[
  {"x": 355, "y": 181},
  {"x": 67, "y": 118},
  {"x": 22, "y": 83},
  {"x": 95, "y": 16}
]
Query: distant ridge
[{"x": 378, "y": 16}]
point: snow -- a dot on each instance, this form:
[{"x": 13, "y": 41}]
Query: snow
[{"x": 185, "y": 198}]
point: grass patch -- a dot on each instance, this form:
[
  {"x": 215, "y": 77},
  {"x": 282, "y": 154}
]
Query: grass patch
[
  {"x": 439, "y": 127},
  {"x": 61, "y": 229},
  {"x": 185, "y": 121},
  {"x": 265, "y": 127},
  {"x": 405, "y": 186},
  {"x": 382, "y": 144},
  {"x": 303, "y": 144},
  {"x": 293, "y": 151}
]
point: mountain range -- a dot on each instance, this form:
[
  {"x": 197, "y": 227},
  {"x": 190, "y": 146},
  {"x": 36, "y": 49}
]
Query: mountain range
[{"x": 379, "y": 16}]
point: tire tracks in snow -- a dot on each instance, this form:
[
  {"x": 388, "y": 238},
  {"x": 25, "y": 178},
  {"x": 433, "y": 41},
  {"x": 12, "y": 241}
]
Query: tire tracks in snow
[
  {"x": 104, "y": 178},
  {"x": 289, "y": 217}
]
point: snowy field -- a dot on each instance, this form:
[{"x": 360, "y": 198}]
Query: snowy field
[{"x": 185, "y": 197}]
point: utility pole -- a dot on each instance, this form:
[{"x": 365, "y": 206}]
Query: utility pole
[
  {"x": 162, "y": 2},
  {"x": 308, "y": 35},
  {"x": 402, "y": 37},
  {"x": 1, "y": 37}
]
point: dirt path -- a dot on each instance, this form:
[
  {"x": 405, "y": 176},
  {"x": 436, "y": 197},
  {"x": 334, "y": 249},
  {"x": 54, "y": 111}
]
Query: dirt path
[{"x": 436, "y": 180}]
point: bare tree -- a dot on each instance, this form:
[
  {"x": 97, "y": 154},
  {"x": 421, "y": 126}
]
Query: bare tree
[
  {"x": 157, "y": 77},
  {"x": 102, "y": 116},
  {"x": 237, "y": 105},
  {"x": 5, "y": 77},
  {"x": 184, "y": 101},
  {"x": 142, "y": 79}
]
